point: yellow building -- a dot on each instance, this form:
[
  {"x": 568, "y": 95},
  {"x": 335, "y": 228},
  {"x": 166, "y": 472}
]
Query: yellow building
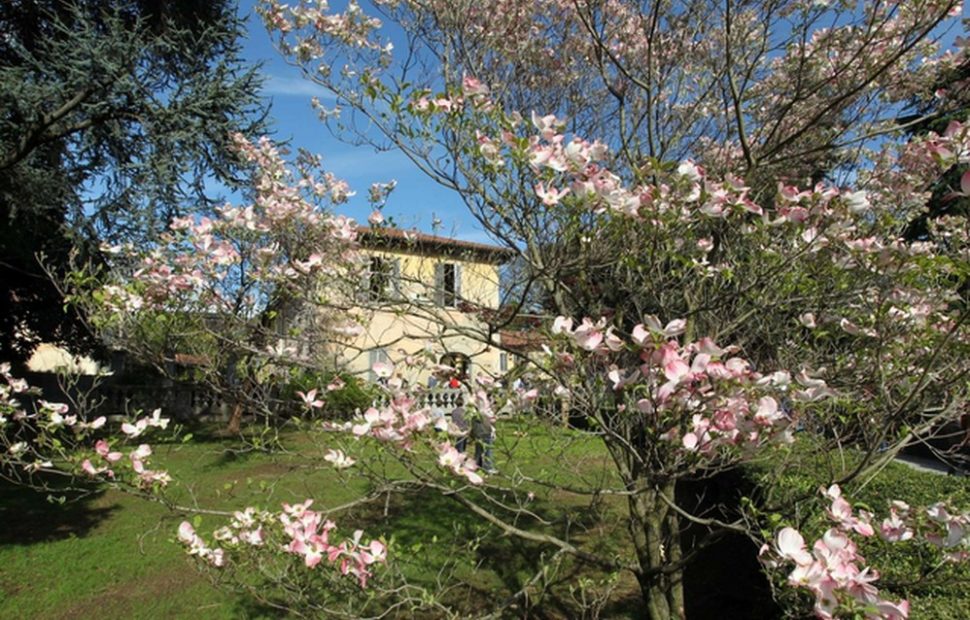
[
  {"x": 48, "y": 357},
  {"x": 425, "y": 292}
]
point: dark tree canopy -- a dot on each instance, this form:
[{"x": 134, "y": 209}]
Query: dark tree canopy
[
  {"x": 934, "y": 114},
  {"x": 114, "y": 116}
]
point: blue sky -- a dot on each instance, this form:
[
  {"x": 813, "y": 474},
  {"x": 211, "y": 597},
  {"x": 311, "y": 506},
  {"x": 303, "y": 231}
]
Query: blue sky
[
  {"x": 416, "y": 201},
  {"x": 416, "y": 197}
]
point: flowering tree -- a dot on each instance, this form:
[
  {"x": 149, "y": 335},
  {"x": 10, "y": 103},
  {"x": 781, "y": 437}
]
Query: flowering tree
[
  {"x": 832, "y": 572},
  {"x": 225, "y": 293},
  {"x": 690, "y": 161},
  {"x": 50, "y": 438},
  {"x": 713, "y": 201}
]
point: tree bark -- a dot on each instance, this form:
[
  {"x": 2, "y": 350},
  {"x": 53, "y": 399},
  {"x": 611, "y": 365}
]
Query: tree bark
[
  {"x": 235, "y": 420},
  {"x": 655, "y": 531}
]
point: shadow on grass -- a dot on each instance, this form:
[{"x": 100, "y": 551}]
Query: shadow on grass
[
  {"x": 725, "y": 581},
  {"x": 228, "y": 448},
  {"x": 246, "y": 606},
  {"x": 28, "y": 516},
  {"x": 436, "y": 536}
]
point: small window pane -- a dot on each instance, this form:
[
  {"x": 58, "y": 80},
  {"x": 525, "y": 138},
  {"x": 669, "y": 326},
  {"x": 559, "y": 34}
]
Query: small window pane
[
  {"x": 450, "y": 285},
  {"x": 380, "y": 278}
]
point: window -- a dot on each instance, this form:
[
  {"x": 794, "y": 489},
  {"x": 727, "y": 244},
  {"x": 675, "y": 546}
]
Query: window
[
  {"x": 382, "y": 278},
  {"x": 503, "y": 362},
  {"x": 459, "y": 361},
  {"x": 374, "y": 356},
  {"x": 448, "y": 284}
]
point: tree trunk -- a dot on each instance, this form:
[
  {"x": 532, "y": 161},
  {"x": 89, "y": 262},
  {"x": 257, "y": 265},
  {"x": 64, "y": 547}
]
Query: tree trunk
[
  {"x": 655, "y": 530},
  {"x": 235, "y": 420}
]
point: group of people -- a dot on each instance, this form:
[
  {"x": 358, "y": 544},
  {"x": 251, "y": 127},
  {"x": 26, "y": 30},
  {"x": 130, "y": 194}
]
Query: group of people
[{"x": 476, "y": 427}]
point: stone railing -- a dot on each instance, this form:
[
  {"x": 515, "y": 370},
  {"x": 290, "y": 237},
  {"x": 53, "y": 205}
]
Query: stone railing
[
  {"x": 179, "y": 400},
  {"x": 441, "y": 401},
  {"x": 116, "y": 399}
]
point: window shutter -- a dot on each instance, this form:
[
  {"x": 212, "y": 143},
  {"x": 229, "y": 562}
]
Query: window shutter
[
  {"x": 396, "y": 278},
  {"x": 439, "y": 284},
  {"x": 374, "y": 356},
  {"x": 363, "y": 286},
  {"x": 457, "y": 285}
]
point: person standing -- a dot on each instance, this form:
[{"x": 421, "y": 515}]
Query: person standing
[{"x": 476, "y": 424}]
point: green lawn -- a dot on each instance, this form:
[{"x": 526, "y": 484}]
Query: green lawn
[
  {"x": 110, "y": 555},
  {"x": 114, "y": 556}
]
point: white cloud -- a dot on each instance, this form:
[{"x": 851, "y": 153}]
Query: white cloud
[
  {"x": 285, "y": 86},
  {"x": 364, "y": 161}
]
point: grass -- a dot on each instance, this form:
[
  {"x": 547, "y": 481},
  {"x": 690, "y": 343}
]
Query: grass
[
  {"x": 107, "y": 554},
  {"x": 110, "y": 555}
]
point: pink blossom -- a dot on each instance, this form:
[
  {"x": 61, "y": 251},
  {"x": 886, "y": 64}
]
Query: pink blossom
[
  {"x": 383, "y": 370},
  {"x": 857, "y": 202},
  {"x": 142, "y": 452},
  {"x": 90, "y": 469},
  {"x": 450, "y": 458},
  {"x": 550, "y": 197},
  {"x": 134, "y": 430},
  {"x": 547, "y": 125},
  {"x": 188, "y": 537},
  {"x": 588, "y": 335},
  {"x": 338, "y": 459},
  {"x": 894, "y": 529},
  {"x": 59, "y": 408},
  {"x": 767, "y": 412},
  {"x": 613, "y": 342},
  {"x": 186, "y": 533},
  {"x": 310, "y": 399},
  {"x": 841, "y": 512},
  {"x": 690, "y": 170},
  {"x": 156, "y": 420},
  {"x": 473, "y": 87},
  {"x": 101, "y": 447},
  {"x": 620, "y": 380},
  {"x": 676, "y": 370},
  {"x": 651, "y": 322},
  {"x": 815, "y": 389},
  {"x": 893, "y": 611},
  {"x": 562, "y": 325},
  {"x": 640, "y": 334},
  {"x": 791, "y": 545}
]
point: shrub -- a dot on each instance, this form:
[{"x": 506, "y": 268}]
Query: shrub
[
  {"x": 911, "y": 570},
  {"x": 339, "y": 404}
]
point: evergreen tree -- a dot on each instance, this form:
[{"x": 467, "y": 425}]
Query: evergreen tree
[{"x": 114, "y": 117}]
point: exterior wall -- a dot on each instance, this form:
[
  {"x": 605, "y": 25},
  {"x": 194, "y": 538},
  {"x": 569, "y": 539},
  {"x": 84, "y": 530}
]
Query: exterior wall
[
  {"x": 49, "y": 357},
  {"x": 412, "y": 317}
]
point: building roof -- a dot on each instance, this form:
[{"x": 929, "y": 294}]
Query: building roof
[
  {"x": 523, "y": 341},
  {"x": 395, "y": 238}
]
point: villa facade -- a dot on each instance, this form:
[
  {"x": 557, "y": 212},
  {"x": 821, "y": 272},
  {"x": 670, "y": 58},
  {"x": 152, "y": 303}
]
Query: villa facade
[{"x": 429, "y": 293}]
